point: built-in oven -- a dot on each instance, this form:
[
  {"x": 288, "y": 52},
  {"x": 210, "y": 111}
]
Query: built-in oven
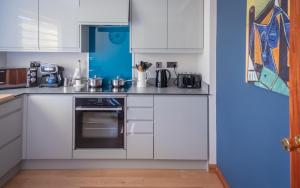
[{"x": 99, "y": 124}]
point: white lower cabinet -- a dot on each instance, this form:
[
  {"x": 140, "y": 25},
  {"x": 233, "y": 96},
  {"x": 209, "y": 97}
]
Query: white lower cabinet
[
  {"x": 139, "y": 127},
  {"x": 11, "y": 119},
  {"x": 49, "y": 127},
  {"x": 180, "y": 127},
  {"x": 10, "y": 156},
  {"x": 140, "y": 146}
]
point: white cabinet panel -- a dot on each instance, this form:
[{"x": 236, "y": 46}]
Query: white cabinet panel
[
  {"x": 19, "y": 24},
  {"x": 149, "y": 24},
  {"x": 10, "y": 127},
  {"x": 58, "y": 25},
  {"x": 140, "y": 127},
  {"x": 185, "y": 24},
  {"x": 10, "y": 156},
  {"x": 140, "y": 146},
  {"x": 180, "y": 127},
  {"x": 104, "y": 11},
  {"x": 140, "y": 101},
  {"x": 140, "y": 114},
  {"x": 11, "y": 106},
  {"x": 49, "y": 127}
]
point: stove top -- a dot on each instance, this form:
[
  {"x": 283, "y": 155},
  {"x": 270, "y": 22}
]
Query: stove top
[{"x": 104, "y": 89}]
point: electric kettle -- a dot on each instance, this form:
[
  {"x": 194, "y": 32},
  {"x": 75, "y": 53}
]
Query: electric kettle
[{"x": 163, "y": 76}]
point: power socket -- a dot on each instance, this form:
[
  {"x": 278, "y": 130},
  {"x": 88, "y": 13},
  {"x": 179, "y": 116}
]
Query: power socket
[
  {"x": 172, "y": 64},
  {"x": 158, "y": 65}
]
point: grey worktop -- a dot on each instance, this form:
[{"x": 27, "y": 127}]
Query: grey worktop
[{"x": 149, "y": 90}]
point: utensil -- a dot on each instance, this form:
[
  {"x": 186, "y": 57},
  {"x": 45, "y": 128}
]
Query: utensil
[
  {"x": 66, "y": 82},
  {"x": 95, "y": 82},
  {"x": 143, "y": 66},
  {"x": 118, "y": 82}
]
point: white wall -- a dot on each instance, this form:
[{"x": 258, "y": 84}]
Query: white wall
[
  {"x": 186, "y": 62},
  {"x": 2, "y": 59},
  {"x": 66, "y": 60}
]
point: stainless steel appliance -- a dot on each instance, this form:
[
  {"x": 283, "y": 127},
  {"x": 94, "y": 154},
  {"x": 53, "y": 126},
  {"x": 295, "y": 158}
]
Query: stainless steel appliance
[
  {"x": 99, "y": 127},
  {"x": 163, "y": 76},
  {"x": 189, "y": 80},
  {"x": 32, "y": 74},
  {"x": 52, "y": 75}
]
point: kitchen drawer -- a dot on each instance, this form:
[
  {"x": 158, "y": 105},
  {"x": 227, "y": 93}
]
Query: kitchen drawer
[
  {"x": 10, "y": 106},
  {"x": 10, "y": 156},
  {"x": 10, "y": 127},
  {"x": 140, "y": 146},
  {"x": 140, "y": 101},
  {"x": 140, "y": 127},
  {"x": 140, "y": 114}
]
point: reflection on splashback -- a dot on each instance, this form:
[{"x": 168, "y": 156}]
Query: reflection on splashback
[{"x": 109, "y": 54}]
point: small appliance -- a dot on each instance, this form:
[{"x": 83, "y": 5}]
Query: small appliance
[
  {"x": 52, "y": 75},
  {"x": 163, "y": 76},
  {"x": 12, "y": 78},
  {"x": 32, "y": 74},
  {"x": 189, "y": 80}
]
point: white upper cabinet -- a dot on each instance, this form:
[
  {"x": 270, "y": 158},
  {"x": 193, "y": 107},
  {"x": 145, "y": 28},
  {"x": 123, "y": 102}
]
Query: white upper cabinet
[
  {"x": 174, "y": 26},
  {"x": 112, "y": 12},
  {"x": 58, "y": 25},
  {"x": 18, "y": 25},
  {"x": 185, "y": 24},
  {"x": 149, "y": 24}
]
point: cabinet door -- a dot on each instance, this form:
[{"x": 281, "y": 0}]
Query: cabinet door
[
  {"x": 58, "y": 25},
  {"x": 49, "y": 127},
  {"x": 104, "y": 11},
  {"x": 180, "y": 127},
  {"x": 140, "y": 146},
  {"x": 149, "y": 24},
  {"x": 19, "y": 24},
  {"x": 185, "y": 24}
]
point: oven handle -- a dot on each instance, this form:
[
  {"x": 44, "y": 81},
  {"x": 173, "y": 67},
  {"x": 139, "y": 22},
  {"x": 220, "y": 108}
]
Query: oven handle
[{"x": 98, "y": 109}]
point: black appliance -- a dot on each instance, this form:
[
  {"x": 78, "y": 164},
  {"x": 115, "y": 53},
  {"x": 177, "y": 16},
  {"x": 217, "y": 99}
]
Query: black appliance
[
  {"x": 163, "y": 76},
  {"x": 52, "y": 75},
  {"x": 189, "y": 80},
  {"x": 99, "y": 123},
  {"x": 32, "y": 74}
]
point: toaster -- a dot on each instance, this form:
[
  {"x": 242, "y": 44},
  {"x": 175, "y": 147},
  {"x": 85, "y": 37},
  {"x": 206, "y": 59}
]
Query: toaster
[{"x": 189, "y": 80}]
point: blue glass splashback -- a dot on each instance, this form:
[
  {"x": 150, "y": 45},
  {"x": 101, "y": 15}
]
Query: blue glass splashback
[{"x": 109, "y": 54}]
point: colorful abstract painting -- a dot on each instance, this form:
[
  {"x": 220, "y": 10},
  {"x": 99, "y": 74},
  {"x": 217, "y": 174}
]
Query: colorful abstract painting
[{"x": 268, "y": 41}]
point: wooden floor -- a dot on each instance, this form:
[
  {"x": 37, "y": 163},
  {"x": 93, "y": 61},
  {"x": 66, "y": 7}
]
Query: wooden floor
[{"x": 114, "y": 178}]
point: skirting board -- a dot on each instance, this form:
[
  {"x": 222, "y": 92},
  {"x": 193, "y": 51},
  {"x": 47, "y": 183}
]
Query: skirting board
[
  {"x": 9, "y": 175},
  {"x": 96, "y": 164},
  {"x": 213, "y": 168}
]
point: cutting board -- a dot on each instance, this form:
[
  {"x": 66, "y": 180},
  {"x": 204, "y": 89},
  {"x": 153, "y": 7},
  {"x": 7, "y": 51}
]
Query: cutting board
[{"x": 6, "y": 97}]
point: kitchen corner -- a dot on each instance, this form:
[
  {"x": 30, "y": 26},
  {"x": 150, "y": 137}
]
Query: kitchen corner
[{"x": 101, "y": 84}]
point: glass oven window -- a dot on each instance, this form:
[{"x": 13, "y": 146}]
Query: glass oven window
[{"x": 100, "y": 125}]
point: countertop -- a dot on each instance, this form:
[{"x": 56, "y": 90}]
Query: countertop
[{"x": 149, "y": 90}]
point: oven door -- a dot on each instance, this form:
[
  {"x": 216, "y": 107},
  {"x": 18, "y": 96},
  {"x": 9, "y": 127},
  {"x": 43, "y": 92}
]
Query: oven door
[{"x": 97, "y": 128}]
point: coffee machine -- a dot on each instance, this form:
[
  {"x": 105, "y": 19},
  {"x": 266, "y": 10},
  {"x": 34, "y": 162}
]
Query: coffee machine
[{"x": 51, "y": 75}]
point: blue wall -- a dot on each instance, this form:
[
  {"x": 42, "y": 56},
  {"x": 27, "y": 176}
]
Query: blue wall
[
  {"x": 109, "y": 54},
  {"x": 250, "y": 121}
]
